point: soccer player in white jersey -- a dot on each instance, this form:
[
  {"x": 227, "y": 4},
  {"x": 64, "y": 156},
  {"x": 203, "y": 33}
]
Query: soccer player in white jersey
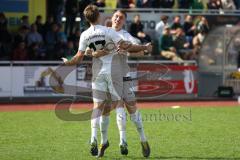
[
  {"x": 96, "y": 37},
  {"x": 107, "y": 78},
  {"x": 118, "y": 20}
]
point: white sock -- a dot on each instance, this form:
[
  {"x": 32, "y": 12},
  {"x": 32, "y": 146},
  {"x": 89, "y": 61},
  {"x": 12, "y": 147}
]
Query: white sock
[
  {"x": 95, "y": 123},
  {"x": 94, "y": 129},
  {"x": 104, "y": 122},
  {"x": 121, "y": 123},
  {"x": 136, "y": 118}
]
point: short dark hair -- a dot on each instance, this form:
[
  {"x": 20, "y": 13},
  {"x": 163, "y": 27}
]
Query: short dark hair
[
  {"x": 122, "y": 11},
  {"x": 164, "y": 17},
  {"x": 39, "y": 17},
  {"x": 91, "y": 13}
]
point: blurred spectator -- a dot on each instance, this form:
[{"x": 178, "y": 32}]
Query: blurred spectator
[
  {"x": 75, "y": 38},
  {"x": 228, "y": 4},
  {"x": 202, "y": 25},
  {"x": 181, "y": 44},
  {"x": 189, "y": 28},
  {"x": 82, "y": 4},
  {"x": 20, "y": 52},
  {"x": 197, "y": 4},
  {"x": 237, "y": 4},
  {"x": 70, "y": 51},
  {"x": 61, "y": 45},
  {"x": 71, "y": 10},
  {"x": 167, "y": 40},
  {"x": 35, "y": 52},
  {"x": 155, "y": 4},
  {"x": 100, "y": 3},
  {"x": 168, "y": 50},
  {"x": 146, "y": 4},
  {"x": 5, "y": 38},
  {"x": 61, "y": 36},
  {"x": 176, "y": 24},
  {"x": 40, "y": 26},
  {"x": 214, "y": 4},
  {"x": 51, "y": 41},
  {"x": 25, "y": 21},
  {"x": 197, "y": 43},
  {"x": 159, "y": 29},
  {"x": 184, "y": 4},
  {"x": 55, "y": 8},
  {"x": 167, "y": 3},
  {"x": 3, "y": 21},
  {"x": 34, "y": 36},
  {"x": 160, "y": 25},
  {"x": 129, "y": 3},
  {"x": 59, "y": 51},
  {"x": 122, "y": 4},
  {"x": 48, "y": 24},
  {"x": 21, "y": 35},
  {"x": 136, "y": 29}
]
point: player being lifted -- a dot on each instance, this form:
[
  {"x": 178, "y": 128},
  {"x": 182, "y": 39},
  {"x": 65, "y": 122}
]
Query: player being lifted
[
  {"x": 107, "y": 78},
  {"x": 118, "y": 20}
]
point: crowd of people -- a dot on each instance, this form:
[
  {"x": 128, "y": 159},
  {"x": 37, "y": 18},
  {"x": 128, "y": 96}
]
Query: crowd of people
[
  {"x": 53, "y": 39},
  {"x": 181, "y": 4},
  {"x": 181, "y": 41},
  {"x": 36, "y": 41}
]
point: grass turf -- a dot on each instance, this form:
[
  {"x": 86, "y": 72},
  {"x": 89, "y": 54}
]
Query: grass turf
[{"x": 184, "y": 133}]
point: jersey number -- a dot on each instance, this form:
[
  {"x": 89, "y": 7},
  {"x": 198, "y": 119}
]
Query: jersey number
[{"x": 97, "y": 43}]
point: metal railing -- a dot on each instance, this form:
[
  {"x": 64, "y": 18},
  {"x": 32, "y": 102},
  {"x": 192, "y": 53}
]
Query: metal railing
[{"x": 182, "y": 11}]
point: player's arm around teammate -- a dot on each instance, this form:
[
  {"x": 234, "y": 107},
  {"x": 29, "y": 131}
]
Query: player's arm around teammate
[{"x": 118, "y": 21}]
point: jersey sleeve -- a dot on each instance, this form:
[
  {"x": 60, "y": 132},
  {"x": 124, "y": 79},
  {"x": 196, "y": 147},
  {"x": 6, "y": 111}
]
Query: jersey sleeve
[
  {"x": 82, "y": 43},
  {"x": 131, "y": 39},
  {"x": 113, "y": 35}
]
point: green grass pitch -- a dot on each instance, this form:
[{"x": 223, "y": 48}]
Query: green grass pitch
[{"x": 183, "y": 133}]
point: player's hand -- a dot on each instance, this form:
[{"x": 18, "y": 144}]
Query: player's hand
[
  {"x": 121, "y": 51},
  {"x": 64, "y": 60},
  {"x": 89, "y": 52},
  {"x": 149, "y": 47},
  {"x": 99, "y": 53}
]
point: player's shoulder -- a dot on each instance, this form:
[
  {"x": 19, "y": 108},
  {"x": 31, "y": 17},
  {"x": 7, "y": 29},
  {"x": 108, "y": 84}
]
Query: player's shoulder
[
  {"x": 85, "y": 32},
  {"x": 110, "y": 29},
  {"x": 88, "y": 32},
  {"x": 124, "y": 31},
  {"x": 102, "y": 27}
]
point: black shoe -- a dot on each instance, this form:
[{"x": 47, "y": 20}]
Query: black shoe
[
  {"x": 123, "y": 148},
  {"x": 145, "y": 149},
  {"x": 94, "y": 148},
  {"x": 102, "y": 149}
]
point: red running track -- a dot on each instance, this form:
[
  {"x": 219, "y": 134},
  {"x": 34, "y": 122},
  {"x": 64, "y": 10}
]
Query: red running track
[{"x": 148, "y": 105}]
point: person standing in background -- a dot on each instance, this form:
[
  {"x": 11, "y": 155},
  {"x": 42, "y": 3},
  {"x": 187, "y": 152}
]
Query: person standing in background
[
  {"x": 136, "y": 29},
  {"x": 159, "y": 29},
  {"x": 71, "y": 10},
  {"x": 55, "y": 8}
]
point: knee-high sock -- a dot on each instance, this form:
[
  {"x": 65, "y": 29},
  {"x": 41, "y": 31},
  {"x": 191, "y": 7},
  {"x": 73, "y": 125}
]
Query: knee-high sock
[
  {"x": 121, "y": 123},
  {"x": 95, "y": 123},
  {"x": 136, "y": 118},
  {"x": 104, "y": 122}
]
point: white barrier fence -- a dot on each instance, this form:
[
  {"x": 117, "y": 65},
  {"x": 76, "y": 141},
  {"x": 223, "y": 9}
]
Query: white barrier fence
[{"x": 153, "y": 80}]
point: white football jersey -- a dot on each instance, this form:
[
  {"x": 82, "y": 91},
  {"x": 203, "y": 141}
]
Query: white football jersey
[
  {"x": 126, "y": 37},
  {"x": 98, "y": 37}
]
